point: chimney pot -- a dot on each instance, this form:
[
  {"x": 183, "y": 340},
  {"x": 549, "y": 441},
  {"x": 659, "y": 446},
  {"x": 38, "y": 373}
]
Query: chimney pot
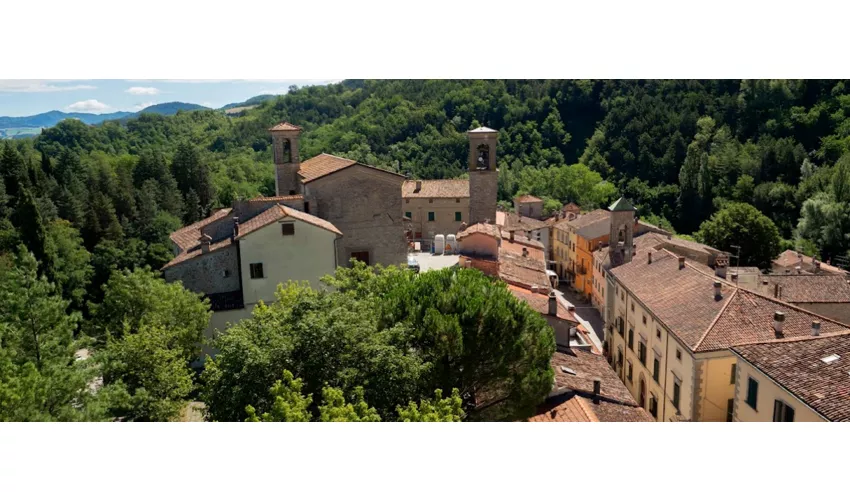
[
  {"x": 597, "y": 389},
  {"x": 511, "y": 235},
  {"x": 649, "y": 257},
  {"x": 524, "y": 252},
  {"x": 778, "y": 321},
  {"x": 718, "y": 293},
  {"x": 418, "y": 186},
  {"x": 681, "y": 262},
  {"x": 205, "y": 243},
  {"x": 734, "y": 277},
  {"x": 815, "y": 328},
  {"x": 553, "y": 304}
]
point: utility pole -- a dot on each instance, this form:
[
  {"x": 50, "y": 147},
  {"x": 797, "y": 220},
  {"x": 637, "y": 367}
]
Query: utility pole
[{"x": 737, "y": 258}]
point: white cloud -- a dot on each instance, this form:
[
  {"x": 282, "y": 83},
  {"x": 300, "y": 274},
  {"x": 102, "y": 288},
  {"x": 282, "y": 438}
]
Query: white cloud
[
  {"x": 39, "y": 86},
  {"x": 141, "y": 106},
  {"x": 143, "y": 90},
  {"x": 89, "y": 106}
]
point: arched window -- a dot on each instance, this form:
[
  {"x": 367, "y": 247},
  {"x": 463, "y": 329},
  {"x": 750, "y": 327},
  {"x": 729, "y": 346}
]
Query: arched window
[
  {"x": 483, "y": 160},
  {"x": 286, "y": 156}
]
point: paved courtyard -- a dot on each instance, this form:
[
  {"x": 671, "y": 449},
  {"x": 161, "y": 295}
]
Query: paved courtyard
[{"x": 428, "y": 262}]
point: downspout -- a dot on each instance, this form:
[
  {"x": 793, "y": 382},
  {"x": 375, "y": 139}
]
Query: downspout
[
  {"x": 336, "y": 250},
  {"x": 666, "y": 357}
]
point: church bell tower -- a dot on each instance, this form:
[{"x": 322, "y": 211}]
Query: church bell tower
[
  {"x": 620, "y": 247},
  {"x": 286, "y": 161},
  {"x": 483, "y": 175}
]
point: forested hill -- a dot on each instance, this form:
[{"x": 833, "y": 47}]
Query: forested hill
[{"x": 680, "y": 149}]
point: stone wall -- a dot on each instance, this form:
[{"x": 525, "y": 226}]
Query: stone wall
[
  {"x": 365, "y": 205},
  {"x": 444, "y": 215},
  {"x": 838, "y": 311},
  {"x": 206, "y": 272},
  {"x": 483, "y": 192}
]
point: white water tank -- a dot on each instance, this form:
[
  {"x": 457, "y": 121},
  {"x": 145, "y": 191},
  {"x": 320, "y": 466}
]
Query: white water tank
[
  {"x": 451, "y": 244},
  {"x": 439, "y": 244}
]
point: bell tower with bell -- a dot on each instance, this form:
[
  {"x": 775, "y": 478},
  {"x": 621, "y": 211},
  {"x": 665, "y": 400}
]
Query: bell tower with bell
[
  {"x": 483, "y": 175},
  {"x": 286, "y": 162}
]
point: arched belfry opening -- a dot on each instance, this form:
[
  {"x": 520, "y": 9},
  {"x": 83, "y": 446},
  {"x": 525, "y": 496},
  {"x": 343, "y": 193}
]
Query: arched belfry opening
[
  {"x": 286, "y": 152},
  {"x": 483, "y": 157}
]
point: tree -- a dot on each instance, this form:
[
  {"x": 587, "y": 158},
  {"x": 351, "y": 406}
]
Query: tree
[
  {"x": 41, "y": 378},
  {"x": 289, "y": 403},
  {"x": 439, "y": 409},
  {"x": 335, "y": 409},
  {"x": 741, "y": 224},
  {"x": 72, "y": 270},
  {"x": 140, "y": 299},
  {"x": 145, "y": 375},
  {"x": 27, "y": 219}
]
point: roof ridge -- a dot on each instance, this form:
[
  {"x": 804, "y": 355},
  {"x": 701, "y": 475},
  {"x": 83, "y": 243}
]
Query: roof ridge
[
  {"x": 803, "y": 338},
  {"x": 582, "y": 402},
  {"x": 792, "y": 306},
  {"x": 715, "y": 320}
]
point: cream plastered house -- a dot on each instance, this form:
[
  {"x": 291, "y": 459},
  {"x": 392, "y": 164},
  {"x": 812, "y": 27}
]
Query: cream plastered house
[{"x": 673, "y": 324}]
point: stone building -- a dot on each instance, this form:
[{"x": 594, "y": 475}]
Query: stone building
[
  {"x": 435, "y": 207},
  {"x": 528, "y": 206},
  {"x": 362, "y": 201},
  {"x": 483, "y": 175}
]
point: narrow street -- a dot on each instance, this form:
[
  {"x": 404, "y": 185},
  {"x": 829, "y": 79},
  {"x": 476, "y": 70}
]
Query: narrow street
[{"x": 586, "y": 313}]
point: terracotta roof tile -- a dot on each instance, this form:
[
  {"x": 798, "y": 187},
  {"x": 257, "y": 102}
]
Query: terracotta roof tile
[
  {"x": 829, "y": 288},
  {"x": 683, "y": 299},
  {"x": 445, "y": 188},
  {"x": 481, "y": 227},
  {"x": 290, "y": 197},
  {"x": 195, "y": 251},
  {"x": 565, "y": 409},
  {"x": 279, "y": 212},
  {"x": 790, "y": 258},
  {"x": 284, "y": 126},
  {"x": 187, "y": 237},
  {"x": 797, "y": 366},
  {"x": 522, "y": 271},
  {"x": 325, "y": 164},
  {"x": 527, "y": 198},
  {"x": 540, "y": 303},
  {"x": 516, "y": 222}
]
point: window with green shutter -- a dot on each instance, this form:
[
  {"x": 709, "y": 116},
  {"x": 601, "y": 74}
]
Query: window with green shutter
[
  {"x": 458, "y": 217},
  {"x": 752, "y": 393},
  {"x": 409, "y": 215},
  {"x": 430, "y": 216},
  {"x": 656, "y": 369},
  {"x": 676, "y": 392}
]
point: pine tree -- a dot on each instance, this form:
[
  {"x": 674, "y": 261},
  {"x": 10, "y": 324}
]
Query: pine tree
[
  {"x": 193, "y": 208},
  {"x": 27, "y": 219},
  {"x": 14, "y": 171}
]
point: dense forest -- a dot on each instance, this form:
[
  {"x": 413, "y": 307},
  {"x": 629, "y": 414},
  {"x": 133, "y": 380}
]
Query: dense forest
[{"x": 85, "y": 210}]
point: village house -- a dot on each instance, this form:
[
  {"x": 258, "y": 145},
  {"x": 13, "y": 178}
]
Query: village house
[
  {"x": 824, "y": 294},
  {"x": 529, "y": 206},
  {"x": 789, "y": 262},
  {"x": 674, "y": 322},
  {"x": 801, "y": 379},
  {"x": 505, "y": 255},
  {"x": 533, "y": 229},
  {"x": 435, "y": 207}
]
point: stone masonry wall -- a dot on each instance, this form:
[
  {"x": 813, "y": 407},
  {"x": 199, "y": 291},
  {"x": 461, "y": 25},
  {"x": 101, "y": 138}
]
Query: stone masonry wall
[
  {"x": 366, "y": 206},
  {"x": 205, "y": 273},
  {"x": 483, "y": 192}
]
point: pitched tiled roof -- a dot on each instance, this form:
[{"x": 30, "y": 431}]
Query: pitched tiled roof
[
  {"x": 622, "y": 205},
  {"x": 790, "y": 258},
  {"x": 797, "y": 366},
  {"x": 481, "y": 227},
  {"x": 444, "y": 188},
  {"x": 540, "y": 303},
  {"x": 523, "y": 271},
  {"x": 291, "y": 197},
  {"x": 279, "y": 212},
  {"x": 481, "y": 130},
  {"x": 683, "y": 299},
  {"x": 516, "y": 222},
  {"x": 655, "y": 242},
  {"x": 191, "y": 253},
  {"x": 828, "y": 288},
  {"x": 284, "y": 126},
  {"x": 527, "y": 198},
  {"x": 572, "y": 402},
  {"x": 584, "y": 220},
  {"x": 325, "y": 164},
  {"x": 187, "y": 237}
]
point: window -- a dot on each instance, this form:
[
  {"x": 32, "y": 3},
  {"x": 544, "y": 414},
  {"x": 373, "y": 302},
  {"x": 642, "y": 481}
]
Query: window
[
  {"x": 733, "y": 375},
  {"x": 620, "y": 325},
  {"x": 430, "y": 200},
  {"x": 287, "y": 229},
  {"x": 362, "y": 256},
  {"x": 656, "y": 369},
  {"x": 633, "y": 307},
  {"x": 631, "y": 339},
  {"x": 407, "y": 200},
  {"x": 679, "y": 355},
  {"x": 730, "y": 409},
  {"x": 306, "y": 207},
  {"x": 644, "y": 319},
  {"x": 642, "y": 353},
  {"x": 430, "y": 216},
  {"x": 458, "y": 217},
  {"x": 782, "y": 412},
  {"x": 457, "y": 200},
  {"x": 752, "y": 393},
  {"x": 658, "y": 333},
  {"x": 409, "y": 215},
  {"x": 619, "y": 357},
  {"x": 226, "y": 273},
  {"x": 653, "y": 406},
  {"x": 677, "y": 389},
  {"x": 629, "y": 370},
  {"x": 256, "y": 271}
]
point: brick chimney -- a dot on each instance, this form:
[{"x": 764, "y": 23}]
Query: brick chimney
[
  {"x": 511, "y": 235},
  {"x": 718, "y": 293},
  {"x": 649, "y": 257},
  {"x": 720, "y": 271},
  {"x": 418, "y": 187},
  {"x": 681, "y": 262},
  {"x": 597, "y": 389},
  {"x": 553, "y": 304},
  {"x": 205, "y": 243},
  {"x": 815, "y": 328},
  {"x": 778, "y": 322}
]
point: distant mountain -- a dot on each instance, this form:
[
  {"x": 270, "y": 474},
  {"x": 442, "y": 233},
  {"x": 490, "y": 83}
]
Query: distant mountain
[
  {"x": 51, "y": 118},
  {"x": 26, "y": 126},
  {"x": 250, "y": 102},
  {"x": 170, "y": 108}
]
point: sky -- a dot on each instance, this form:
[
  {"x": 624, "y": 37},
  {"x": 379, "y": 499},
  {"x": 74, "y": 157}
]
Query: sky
[{"x": 31, "y": 97}]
